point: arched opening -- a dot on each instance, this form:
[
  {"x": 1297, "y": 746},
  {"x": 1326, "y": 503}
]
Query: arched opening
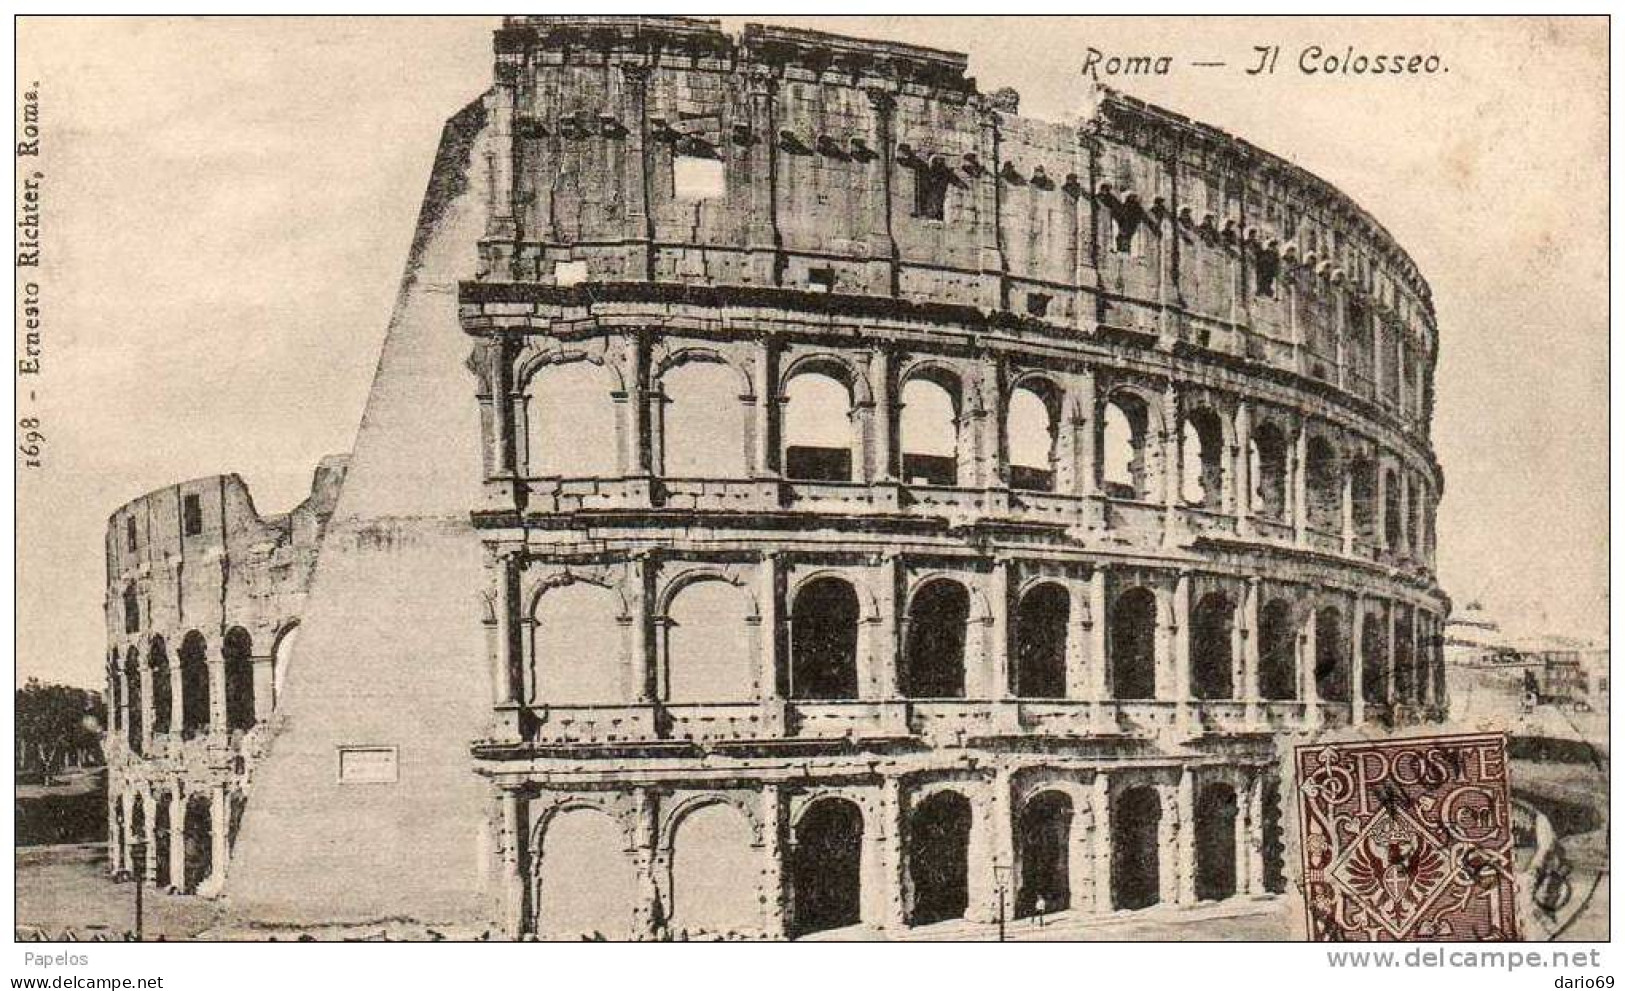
[
  {"x": 1131, "y": 644},
  {"x": 161, "y": 837},
  {"x": 708, "y": 644},
  {"x": 1136, "y": 816},
  {"x": 1216, "y": 842},
  {"x": 132, "y": 609},
  {"x": 132, "y": 693},
  {"x": 163, "y": 695},
  {"x": 1331, "y": 656},
  {"x": 1216, "y": 813},
  {"x": 1323, "y": 482},
  {"x": 929, "y": 430},
  {"x": 818, "y": 425},
  {"x": 1277, "y": 651},
  {"x": 1043, "y": 851},
  {"x": 199, "y": 841},
  {"x": 1374, "y": 660},
  {"x": 1041, "y": 621},
  {"x": 282, "y": 653},
  {"x": 194, "y": 659},
  {"x": 1121, "y": 446},
  {"x": 1269, "y": 463},
  {"x": 1404, "y": 657},
  {"x": 138, "y": 832},
  {"x": 576, "y": 647},
  {"x": 238, "y": 651},
  {"x": 824, "y": 640},
  {"x": 711, "y": 860},
  {"x": 1274, "y": 839},
  {"x": 938, "y": 864},
  {"x": 1212, "y": 663},
  {"x": 934, "y": 653},
  {"x": 115, "y": 694},
  {"x": 121, "y": 845},
  {"x": 1202, "y": 475},
  {"x": 1390, "y": 504},
  {"x": 703, "y": 422},
  {"x": 570, "y": 420},
  {"x": 826, "y": 867},
  {"x": 1363, "y": 492},
  {"x": 1030, "y": 427},
  {"x": 586, "y": 883},
  {"x": 1413, "y": 505}
]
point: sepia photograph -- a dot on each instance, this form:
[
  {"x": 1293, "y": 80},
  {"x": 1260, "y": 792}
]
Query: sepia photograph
[{"x": 593, "y": 478}]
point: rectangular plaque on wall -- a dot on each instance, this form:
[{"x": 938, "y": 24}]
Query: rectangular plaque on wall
[{"x": 368, "y": 765}]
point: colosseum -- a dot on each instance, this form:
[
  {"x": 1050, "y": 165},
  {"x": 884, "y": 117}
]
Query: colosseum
[
  {"x": 203, "y": 604},
  {"x": 800, "y": 494}
]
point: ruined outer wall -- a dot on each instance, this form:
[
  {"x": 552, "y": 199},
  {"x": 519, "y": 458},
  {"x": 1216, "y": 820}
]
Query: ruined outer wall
[
  {"x": 823, "y": 139},
  {"x": 179, "y": 581},
  {"x": 393, "y": 632}
]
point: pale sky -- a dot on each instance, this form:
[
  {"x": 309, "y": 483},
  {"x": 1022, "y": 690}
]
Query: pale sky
[{"x": 228, "y": 205}]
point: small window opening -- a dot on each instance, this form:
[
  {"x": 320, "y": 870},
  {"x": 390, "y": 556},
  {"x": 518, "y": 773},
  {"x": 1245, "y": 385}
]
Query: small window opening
[
  {"x": 192, "y": 515},
  {"x": 129, "y": 534},
  {"x": 821, "y": 279},
  {"x": 569, "y": 273},
  {"x": 1266, "y": 264},
  {"x": 930, "y": 190},
  {"x": 695, "y": 179},
  {"x": 1038, "y": 304}
]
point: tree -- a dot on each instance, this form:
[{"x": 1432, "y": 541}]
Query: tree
[{"x": 54, "y": 721}]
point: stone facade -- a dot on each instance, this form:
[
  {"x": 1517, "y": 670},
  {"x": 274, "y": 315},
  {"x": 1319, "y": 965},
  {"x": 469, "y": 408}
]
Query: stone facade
[
  {"x": 924, "y": 672},
  {"x": 868, "y": 506},
  {"x": 203, "y": 603}
]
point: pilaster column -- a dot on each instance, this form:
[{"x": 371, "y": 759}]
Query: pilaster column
[
  {"x": 508, "y": 678},
  {"x": 883, "y": 905},
  {"x": 991, "y": 842},
  {"x": 1247, "y": 691},
  {"x": 770, "y": 679},
  {"x": 1101, "y": 805},
  {"x": 775, "y": 897},
  {"x": 217, "y": 694},
  {"x": 641, "y": 677},
  {"x": 1078, "y": 631},
  {"x": 999, "y": 673},
  {"x": 1253, "y": 836},
  {"x": 1357, "y": 662},
  {"x": 148, "y": 709},
  {"x": 1099, "y": 667},
  {"x": 514, "y": 887},
  {"x": 765, "y": 459},
  {"x": 1300, "y": 486},
  {"x": 649, "y": 915},
  {"x": 1392, "y": 664},
  {"x": 177, "y": 696},
  {"x": 1346, "y": 498},
  {"x": 1382, "y": 506},
  {"x": 1084, "y": 411},
  {"x": 880, "y": 680},
  {"x": 1186, "y": 804},
  {"x": 149, "y": 824},
  {"x": 177, "y": 837},
  {"x": 1169, "y": 831},
  {"x": 1182, "y": 638},
  {"x": 127, "y": 830},
  {"x": 1308, "y": 659},
  {"x": 1173, "y": 466},
  {"x": 637, "y": 455},
  {"x": 1241, "y": 454}
]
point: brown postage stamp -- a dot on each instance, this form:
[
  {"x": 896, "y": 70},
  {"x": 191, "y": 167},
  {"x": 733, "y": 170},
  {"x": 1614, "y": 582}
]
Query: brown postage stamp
[{"x": 1407, "y": 839}]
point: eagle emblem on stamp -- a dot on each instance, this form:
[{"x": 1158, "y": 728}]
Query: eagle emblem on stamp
[{"x": 1407, "y": 839}]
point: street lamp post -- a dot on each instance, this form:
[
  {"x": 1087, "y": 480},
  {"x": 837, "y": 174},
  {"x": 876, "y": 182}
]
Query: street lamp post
[
  {"x": 138, "y": 851},
  {"x": 1001, "y": 879}
]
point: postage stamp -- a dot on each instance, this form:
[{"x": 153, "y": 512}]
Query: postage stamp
[{"x": 1407, "y": 839}]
